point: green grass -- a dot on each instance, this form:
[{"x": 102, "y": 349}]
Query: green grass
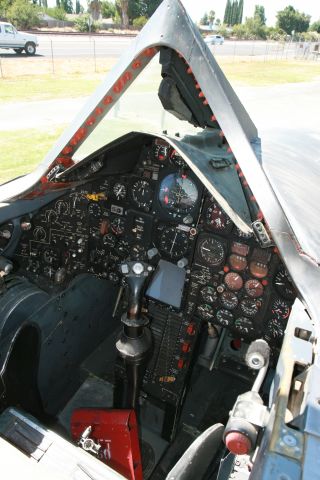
[
  {"x": 271, "y": 73},
  {"x": 45, "y": 87},
  {"x": 22, "y": 150}
]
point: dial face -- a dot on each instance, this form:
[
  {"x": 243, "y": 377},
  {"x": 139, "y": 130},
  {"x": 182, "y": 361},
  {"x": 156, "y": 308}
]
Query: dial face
[
  {"x": 178, "y": 193},
  {"x": 94, "y": 210},
  {"x": 62, "y": 208},
  {"x": 281, "y": 309},
  {"x": 174, "y": 242},
  {"x": 119, "y": 191},
  {"x": 275, "y": 329},
  {"x": 39, "y": 234},
  {"x": 201, "y": 276},
  {"x": 283, "y": 285},
  {"x": 229, "y": 300},
  {"x": 118, "y": 225},
  {"x": 254, "y": 288},
  {"x": 109, "y": 240},
  {"x": 217, "y": 219},
  {"x": 123, "y": 248},
  {"x": 258, "y": 269},
  {"x": 250, "y": 306},
  {"x": 205, "y": 311},
  {"x": 211, "y": 251},
  {"x": 237, "y": 262},
  {"x": 208, "y": 294},
  {"x": 224, "y": 317},
  {"x": 161, "y": 152},
  {"x": 233, "y": 281},
  {"x": 244, "y": 325},
  {"x": 6, "y": 231},
  {"x": 142, "y": 193}
]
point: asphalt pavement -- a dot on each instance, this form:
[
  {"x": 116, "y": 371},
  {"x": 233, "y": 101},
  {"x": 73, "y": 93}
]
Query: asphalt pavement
[{"x": 76, "y": 46}]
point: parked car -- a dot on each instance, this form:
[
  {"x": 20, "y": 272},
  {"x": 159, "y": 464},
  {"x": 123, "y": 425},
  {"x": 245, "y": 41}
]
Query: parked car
[
  {"x": 214, "y": 39},
  {"x": 18, "y": 41}
]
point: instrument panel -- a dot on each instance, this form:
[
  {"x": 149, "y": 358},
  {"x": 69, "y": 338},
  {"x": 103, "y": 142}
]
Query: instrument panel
[{"x": 160, "y": 210}]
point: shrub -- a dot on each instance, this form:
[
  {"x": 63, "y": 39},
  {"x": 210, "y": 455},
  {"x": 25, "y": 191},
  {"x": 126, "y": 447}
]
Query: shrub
[
  {"x": 23, "y": 14},
  {"x": 82, "y": 24},
  {"x": 56, "y": 12},
  {"x": 139, "y": 22},
  {"x": 275, "y": 33}
]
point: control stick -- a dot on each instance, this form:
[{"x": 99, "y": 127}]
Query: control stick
[{"x": 134, "y": 343}]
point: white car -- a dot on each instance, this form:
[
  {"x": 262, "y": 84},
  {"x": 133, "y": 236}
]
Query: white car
[
  {"x": 18, "y": 41},
  {"x": 214, "y": 39}
]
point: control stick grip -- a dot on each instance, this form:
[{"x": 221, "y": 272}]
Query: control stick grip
[
  {"x": 258, "y": 354},
  {"x": 6, "y": 266}
]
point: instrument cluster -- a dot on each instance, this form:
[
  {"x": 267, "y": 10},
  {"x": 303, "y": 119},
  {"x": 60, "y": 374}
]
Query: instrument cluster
[{"x": 160, "y": 210}]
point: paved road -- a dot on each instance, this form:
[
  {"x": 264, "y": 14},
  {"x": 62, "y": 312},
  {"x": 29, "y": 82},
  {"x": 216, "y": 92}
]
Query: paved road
[{"x": 113, "y": 46}]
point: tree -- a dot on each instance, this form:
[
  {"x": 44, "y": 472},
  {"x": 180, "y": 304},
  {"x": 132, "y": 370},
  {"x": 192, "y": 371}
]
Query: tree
[
  {"x": 67, "y": 5},
  {"x": 211, "y": 17},
  {"x": 234, "y": 13},
  {"x": 23, "y": 14},
  {"x": 259, "y": 14},
  {"x": 227, "y": 13},
  {"x": 4, "y": 5},
  {"x": 108, "y": 9},
  {"x": 218, "y": 22},
  {"x": 78, "y": 7},
  {"x": 124, "y": 9},
  {"x": 204, "y": 20},
  {"x": 94, "y": 8},
  {"x": 291, "y": 20},
  {"x": 315, "y": 27},
  {"x": 152, "y": 6},
  {"x": 240, "y": 12}
]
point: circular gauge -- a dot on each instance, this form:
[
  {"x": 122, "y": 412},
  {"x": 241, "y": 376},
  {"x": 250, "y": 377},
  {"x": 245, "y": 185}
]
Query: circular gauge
[
  {"x": 258, "y": 269},
  {"x": 119, "y": 191},
  {"x": 174, "y": 242},
  {"x": 201, "y": 276},
  {"x": 233, "y": 281},
  {"x": 217, "y": 219},
  {"x": 62, "y": 208},
  {"x": 283, "y": 285},
  {"x": 229, "y": 300},
  {"x": 39, "y": 234},
  {"x": 50, "y": 256},
  {"x": 205, "y": 311},
  {"x": 6, "y": 231},
  {"x": 142, "y": 193},
  {"x": 244, "y": 325},
  {"x": 224, "y": 317},
  {"x": 123, "y": 248},
  {"x": 161, "y": 152},
  {"x": 208, "y": 294},
  {"x": 254, "y": 288},
  {"x": 242, "y": 234},
  {"x": 178, "y": 193},
  {"x": 211, "y": 251},
  {"x": 118, "y": 225},
  {"x": 177, "y": 160},
  {"x": 250, "y": 306},
  {"x": 94, "y": 210},
  {"x": 275, "y": 329},
  {"x": 281, "y": 309},
  {"x": 109, "y": 240},
  {"x": 237, "y": 262}
]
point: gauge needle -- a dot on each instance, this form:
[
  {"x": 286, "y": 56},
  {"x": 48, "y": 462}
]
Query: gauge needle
[
  {"x": 206, "y": 249},
  {"x": 174, "y": 241}
]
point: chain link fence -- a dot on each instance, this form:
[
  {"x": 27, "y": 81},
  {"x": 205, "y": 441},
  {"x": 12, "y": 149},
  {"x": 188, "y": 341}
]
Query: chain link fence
[{"x": 85, "y": 54}]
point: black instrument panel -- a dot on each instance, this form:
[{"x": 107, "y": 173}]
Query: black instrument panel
[{"x": 160, "y": 210}]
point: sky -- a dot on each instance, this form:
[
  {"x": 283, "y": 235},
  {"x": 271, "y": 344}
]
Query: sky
[{"x": 197, "y": 8}]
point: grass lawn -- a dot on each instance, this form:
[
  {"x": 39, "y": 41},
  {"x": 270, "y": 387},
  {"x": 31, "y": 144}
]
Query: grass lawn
[
  {"x": 271, "y": 73},
  {"x": 23, "y": 150}
]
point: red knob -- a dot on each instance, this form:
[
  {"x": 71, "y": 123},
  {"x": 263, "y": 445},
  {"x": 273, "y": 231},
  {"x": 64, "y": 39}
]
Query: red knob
[
  {"x": 237, "y": 443},
  {"x": 190, "y": 329},
  {"x": 185, "y": 347},
  {"x": 180, "y": 363}
]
